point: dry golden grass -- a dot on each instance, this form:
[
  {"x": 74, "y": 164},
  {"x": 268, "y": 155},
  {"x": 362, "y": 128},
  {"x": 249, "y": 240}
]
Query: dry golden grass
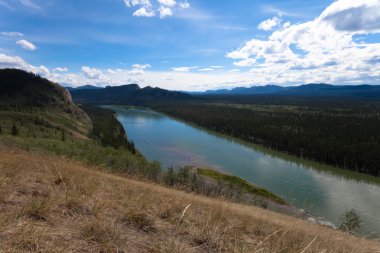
[{"x": 50, "y": 204}]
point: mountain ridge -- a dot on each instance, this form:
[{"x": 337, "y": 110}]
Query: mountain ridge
[
  {"x": 312, "y": 89},
  {"x": 126, "y": 94}
]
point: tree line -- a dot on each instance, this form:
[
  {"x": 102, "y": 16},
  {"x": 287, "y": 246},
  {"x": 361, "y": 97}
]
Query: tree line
[{"x": 345, "y": 135}]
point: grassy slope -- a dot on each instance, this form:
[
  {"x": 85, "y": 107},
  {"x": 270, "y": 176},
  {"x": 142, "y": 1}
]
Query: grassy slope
[
  {"x": 45, "y": 123},
  {"x": 241, "y": 183},
  {"x": 50, "y": 204}
]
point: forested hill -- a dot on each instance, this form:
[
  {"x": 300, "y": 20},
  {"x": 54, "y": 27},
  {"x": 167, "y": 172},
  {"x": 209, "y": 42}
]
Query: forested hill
[
  {"x": 311, "y": 90},
  {"x": 20, "y": 88},
  {"x": 34, "y": 107},
  {"x": 126, "y": 94}
]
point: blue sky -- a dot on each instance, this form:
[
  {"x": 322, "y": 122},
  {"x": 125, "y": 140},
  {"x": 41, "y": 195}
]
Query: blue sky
[{"x": 193, "y": 44}]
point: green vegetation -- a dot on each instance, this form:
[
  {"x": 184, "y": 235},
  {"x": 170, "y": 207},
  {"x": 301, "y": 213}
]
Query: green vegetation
[
  {"x": 118, "y": 161},
  {"x": 107, "y": 129},
  {"x": 240, "y": 183},
  {"x": 218, "y": 185},
  {"x": 340, "y": 132},
  {"x": 59, "y": 127},
  {"x": 14, "y": 130},
  {"x": 350, "y": 222}
]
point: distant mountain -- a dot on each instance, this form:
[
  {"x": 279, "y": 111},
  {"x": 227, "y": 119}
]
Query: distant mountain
[
  {"x": 126, "y": 94},
  {"x": 268, "y": 89},
  {"x": 369, "y": 91},
  {"x": 85, "y": 87}
]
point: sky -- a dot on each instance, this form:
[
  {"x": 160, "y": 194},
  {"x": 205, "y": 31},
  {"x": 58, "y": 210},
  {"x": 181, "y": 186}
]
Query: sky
[{"x": 193, "y": 45}]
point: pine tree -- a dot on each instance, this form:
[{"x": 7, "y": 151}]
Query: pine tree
[
  {"x": 14, "y": 130},
  {"x": 169, "y": 176},
  {"x": 63, "y": 138}
]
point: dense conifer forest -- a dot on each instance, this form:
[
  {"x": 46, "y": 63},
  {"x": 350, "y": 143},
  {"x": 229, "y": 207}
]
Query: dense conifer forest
[{"x": 340, "y": 132}]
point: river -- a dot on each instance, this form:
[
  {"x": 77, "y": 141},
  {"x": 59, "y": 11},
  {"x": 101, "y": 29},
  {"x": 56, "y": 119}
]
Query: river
[{"x": 321, "y": 190}]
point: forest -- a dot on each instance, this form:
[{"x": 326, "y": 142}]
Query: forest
[
  {"x": 107, "y": 130},
  {"x": 337, "y": 131}
]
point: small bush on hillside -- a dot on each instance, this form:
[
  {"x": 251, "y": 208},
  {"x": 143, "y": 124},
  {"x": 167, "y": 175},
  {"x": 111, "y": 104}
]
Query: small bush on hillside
[{"x": 350, "y": 222}]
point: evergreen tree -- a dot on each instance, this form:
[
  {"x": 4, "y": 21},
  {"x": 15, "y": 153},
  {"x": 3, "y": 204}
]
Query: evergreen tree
[
  {"x": 169, "y": 176},
  {"x": 1, "y": 130},
  {"x": 14, "y": 130},
  {"x": 63, "y": 135}
]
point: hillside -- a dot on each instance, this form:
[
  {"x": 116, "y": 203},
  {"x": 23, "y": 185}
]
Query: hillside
[
  {"x": 126, "y": 94},
  {"x": 74, "y": 182},
  {"x": 50, "y": 204},
  {"x": 31, "y": 106}
]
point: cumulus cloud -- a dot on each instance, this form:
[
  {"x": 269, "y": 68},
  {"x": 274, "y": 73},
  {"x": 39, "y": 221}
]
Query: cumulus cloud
[
  {"x": 138, "y": 69},
  {"x": 269, "y": 24},
  {"x": 131, "y": 3},
  {"x": 12, "y": 34},
  {"x": 92, "y": 73},
  {"x": 114, "y": 71},
  {"x": 353, "y": 16},
  {"x": 144, "y": 12},
  {"x": 162, "y": 8},
  {"x": 7, "y": 61},
  {"x": 165, "y": 11},
  {"x": 26, "y": 45},
  {"x": 169, "y": 3},
  {"x": 322, "y": 49}
]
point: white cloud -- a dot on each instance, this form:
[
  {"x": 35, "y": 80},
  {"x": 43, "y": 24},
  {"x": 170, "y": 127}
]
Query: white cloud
[
  {"x": 92, "y": 73},
  {"x": 165, "y": 11},
  {"x": 7, "y": 61},
  {"x": 144, "y": 12},
  {"x": 131, "y": 3},
  {"x": 12, "y": 34},
  {"x": 138, "y": 69},
  {"x": 170, "y": 3},
  {"x": 245, "y": 63},
  {"x": 360, "y": 16},
  {"x": 183, "y": 69},
  {"x": 217, "y": 67},
  {"x": 59, "y": 69},
  {"x": 184, "y": 5},
  {"x": 41, "y": 70},
  {"x": 269, "y": 24},
  {"x": 26, "y": 45},
  {"x": 141, "y": 66},
  {"x": 320, "y": 50},
  {"x": 206, "y": 69},
  {"x": 147, "y": 8},
  {"x": 114, "y": 71}
]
